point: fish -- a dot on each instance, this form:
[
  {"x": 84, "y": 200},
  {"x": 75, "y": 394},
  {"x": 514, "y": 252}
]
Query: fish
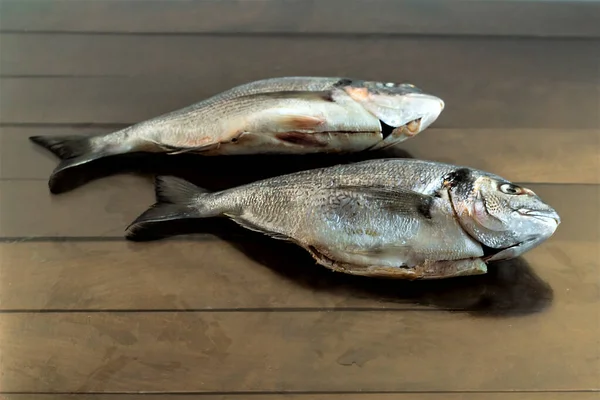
[
  {"x": 392, "y": 217},
  {"x": 287, "y": 115}
]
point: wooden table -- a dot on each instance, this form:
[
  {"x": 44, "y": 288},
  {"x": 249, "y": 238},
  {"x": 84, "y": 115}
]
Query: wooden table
[{"x": 227, "y": 314}]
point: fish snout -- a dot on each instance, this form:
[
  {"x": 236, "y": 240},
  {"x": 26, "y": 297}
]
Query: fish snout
[
  {"x": 543, "y": 222},
  {"x": 550, "y": 215},
  {"x": 429, "y": 107}
]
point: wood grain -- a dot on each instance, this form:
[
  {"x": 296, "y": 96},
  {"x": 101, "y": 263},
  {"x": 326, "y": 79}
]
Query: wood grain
[
  {"x": 221, "y": 61},
  {"x": 526, "y": 155},
  {"x": 105, "y": 207},
  {"x": 320, "y": 396},
  {"x": 485, "y": 83},
  {"x": 238, "y": 275},
  {"x": 558, "y": 105},
  {"x": 308, "y": 351},
  {"x": 223, "y": 313},
  {"x": 523, "y": 18}
]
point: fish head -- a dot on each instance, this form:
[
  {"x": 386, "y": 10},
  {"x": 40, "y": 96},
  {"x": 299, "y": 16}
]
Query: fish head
[
  {"x": 402, "y": 106},
  {"x": 505, "y": 218}
]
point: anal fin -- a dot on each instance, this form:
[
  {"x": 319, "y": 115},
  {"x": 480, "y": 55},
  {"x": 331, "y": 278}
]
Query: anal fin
[
  {"x": 197, "y": 149},
  {"x": 426, "y": 270},
  {"x": 451, "y": 268},
  {"x": 173, "y": 150},
  {"x": 253, "y": 227}
]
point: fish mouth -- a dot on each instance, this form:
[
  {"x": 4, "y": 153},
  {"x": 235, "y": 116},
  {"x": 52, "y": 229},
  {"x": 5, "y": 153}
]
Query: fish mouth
[
  {"x": 410, "y": 129},
  {"x": 427, "y": 107},
  {"x": 399, "y": 111},
  {"x": 421, "y": 111},
  {"x": 490, "y": 253},
  {"x": 544, "y": 215},
  {"x": 413, "y": 127}
]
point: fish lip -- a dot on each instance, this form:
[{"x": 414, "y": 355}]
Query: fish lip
[
  {"x": 420, "y": 107},
  {"x": 406, "y": 130},
  {"x": 492, "y": 252},
  {"x": 424, "y": 96},
  {"x": 541, "y": 214},
  {"x": 433, "y": 109}
]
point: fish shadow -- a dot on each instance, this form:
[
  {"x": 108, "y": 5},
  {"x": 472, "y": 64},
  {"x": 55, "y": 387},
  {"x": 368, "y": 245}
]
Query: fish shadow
[
  {"x": 510, "y": 288},
  {"x": 210, "y": 172}
]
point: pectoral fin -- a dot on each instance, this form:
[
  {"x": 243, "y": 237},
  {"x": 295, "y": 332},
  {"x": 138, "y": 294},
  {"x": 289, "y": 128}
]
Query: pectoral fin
[
  {"x": 392, "y": 199},
  {"x": 298, "y": 122},
  {"x": 285, "y": 119}
]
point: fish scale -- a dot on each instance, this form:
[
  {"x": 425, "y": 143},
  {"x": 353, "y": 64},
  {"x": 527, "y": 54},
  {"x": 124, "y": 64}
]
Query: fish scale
[
  {"x": 287, "y": 115},
  {"x": 377, "y": 217}
]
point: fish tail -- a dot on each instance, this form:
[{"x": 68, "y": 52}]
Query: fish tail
[
  {"x": 73, "y": 150},
  {"x": 176, "y": 199}
]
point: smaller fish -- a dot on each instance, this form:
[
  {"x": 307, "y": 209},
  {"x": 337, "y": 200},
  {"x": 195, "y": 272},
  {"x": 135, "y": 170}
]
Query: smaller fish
[
  {"x": 290, "y": 115},
  {"x": 398, "y": 218}
]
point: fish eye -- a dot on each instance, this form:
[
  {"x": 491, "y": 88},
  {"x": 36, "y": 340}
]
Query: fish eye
[{"x": 509, "y": 188}]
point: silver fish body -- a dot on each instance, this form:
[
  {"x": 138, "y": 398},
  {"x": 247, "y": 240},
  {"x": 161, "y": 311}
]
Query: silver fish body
[
  {"x": 395, "y": 217},
  {"x": 290, "y": 115}
]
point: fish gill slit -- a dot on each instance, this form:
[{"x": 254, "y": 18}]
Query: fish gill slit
[{"x": 487, "y": 251}]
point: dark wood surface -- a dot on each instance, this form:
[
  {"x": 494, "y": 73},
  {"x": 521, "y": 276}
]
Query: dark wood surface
[
  {"x": 218, "y": 312},
  {"x": 546, "y": 18},
  {"x": 324, "y": 396},
  {"x": 529, "y": 155},
  {"x": 485, "y": 83}
]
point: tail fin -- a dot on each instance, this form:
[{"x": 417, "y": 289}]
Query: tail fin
[
  {"x": 73, "y": 150},
  {"x": 176, "y": 199}
]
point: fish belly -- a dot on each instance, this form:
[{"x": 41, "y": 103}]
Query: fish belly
[
  {"x": 262, "y": 124},
  {"x": 366, "y": 233}
]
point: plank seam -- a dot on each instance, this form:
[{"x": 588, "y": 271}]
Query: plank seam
[
  {"x": 228, "y": 310},
  {"x": 150, "y": 173},
  {"x": 292, "y": 392},
  {"x": 315, "y": 35}
]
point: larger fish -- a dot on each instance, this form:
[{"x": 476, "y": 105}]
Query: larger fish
[
  {"x": 278, "y": 115},
  {"x": 394, "y": 217}
]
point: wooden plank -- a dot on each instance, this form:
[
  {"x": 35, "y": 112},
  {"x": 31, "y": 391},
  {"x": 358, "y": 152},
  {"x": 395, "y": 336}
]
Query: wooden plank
[
  {"x": 306, "y": 351},
  {"x": 457, "y": 17},
  {"x": 486, "y": 84},
  {"x": 21, "y": 159},
  {"x": 526, "y": 155},
  {"x": 260, "y": 275},
  {"x": 130, "y": 100},
  {"x": 425, "y": 60},
  {"x": 321, "y": 396},
  {"x": 104, "y": 208}
]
